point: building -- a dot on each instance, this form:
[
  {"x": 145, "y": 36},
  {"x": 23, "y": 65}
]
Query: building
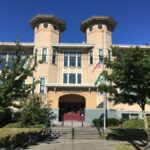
[{"x": 69, "y": 70}]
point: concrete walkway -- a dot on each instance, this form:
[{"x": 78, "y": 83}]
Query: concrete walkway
[{"x": 77, "y": 144}]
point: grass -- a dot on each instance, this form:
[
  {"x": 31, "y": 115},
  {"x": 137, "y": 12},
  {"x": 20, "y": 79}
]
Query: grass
[
  {"x": 15, "y": 135},
  {"x": 136, "y": 137},
  {"x": 5, "y": 132},
  {"x": 19, "y": 125},
  {"x": 124, "y": 147}
]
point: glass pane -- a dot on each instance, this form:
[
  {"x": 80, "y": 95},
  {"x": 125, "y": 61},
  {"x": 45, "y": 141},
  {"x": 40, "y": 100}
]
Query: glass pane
[
  {"x": 44, "y": 53},
  {"x": 100, "y": 56},
  {"x": 65, "y": 59},
  {"x": 65, "y": 78},
  {"x": 91, "y": 57},
  {"x": 72, "y": 78},
  {"x": 42, "y": 81},
  {"x": 72, "y": 59},
  {"x": 79, "y": 78},
  {"x": 42, "y": 85},
  {"x": 54, "y": 57},
  {"x": 79, "y": 59}
]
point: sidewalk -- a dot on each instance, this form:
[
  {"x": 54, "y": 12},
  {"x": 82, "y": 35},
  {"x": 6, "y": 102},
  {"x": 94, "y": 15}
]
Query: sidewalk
[{"x": 78, "y": 144}]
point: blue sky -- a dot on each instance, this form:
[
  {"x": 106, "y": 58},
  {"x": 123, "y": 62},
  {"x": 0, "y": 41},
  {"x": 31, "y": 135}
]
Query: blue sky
[{"x": 132, "y": 16}]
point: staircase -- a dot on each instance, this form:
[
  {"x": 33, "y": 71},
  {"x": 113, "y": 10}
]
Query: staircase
[{"x": 77, "y": 132}]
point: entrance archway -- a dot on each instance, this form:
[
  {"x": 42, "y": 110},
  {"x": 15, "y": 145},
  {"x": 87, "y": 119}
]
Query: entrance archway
[{"x": 71, "y": 107}]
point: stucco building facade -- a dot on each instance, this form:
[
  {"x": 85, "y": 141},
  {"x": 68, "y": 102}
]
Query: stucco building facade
[{"x": 68, "y": 71}]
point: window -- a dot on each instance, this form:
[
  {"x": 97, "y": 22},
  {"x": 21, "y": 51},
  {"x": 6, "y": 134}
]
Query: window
[
  {"x": 72, "y": 78},
  {"x": 65, "y": 78},
  {"x": 100, "y": 56},
  {"x": 79, "y": 59},
  {"x": 108, "y": 28},
  {"x": 72, "y": 59},
  {"x": 134, "y": 116},
  {"x": 65, "y": 59},
  {"x": 125, "y": 116},
  {"x": 109, "y": 54},
  {"x": 55, "y": 27},
  {"x": 100, "y": 26},
  {"x": 54, "y": 57},
  {"x": 42, "y": 85},
  {"x": 90, "y": 28},
  {"x": 38, "y": 26},
  {"x": 35, "y": 59},
  {"x": 44, "y": 53},
  {"x": 79, "y": 78},
  {"x": 45, "y": 25},
  {"x": 91, "y": 57}
]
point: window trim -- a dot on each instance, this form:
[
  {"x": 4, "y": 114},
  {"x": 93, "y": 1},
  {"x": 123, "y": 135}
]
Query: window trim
[
  {"x": 54, "y": 56},
  {"x": 67, "y": 55},
  {"x": 91, "y": 57},
  {"x": 100, "y": 59},
  {"x": 76, "y": 77},
  {"x": 42, "y": 85},
  {"x": 44, "y": 56}
]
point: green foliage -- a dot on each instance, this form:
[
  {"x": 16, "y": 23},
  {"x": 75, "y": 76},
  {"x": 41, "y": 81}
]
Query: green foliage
[
  {"x": 5, "y": 116},
  {"x": 111, "y": 122},
  {"x": 12, "y": 78},
  {"x": 130, "y": 78},
  {"x": 32, "y": 112},
  {"x": 133, "y": 123}
]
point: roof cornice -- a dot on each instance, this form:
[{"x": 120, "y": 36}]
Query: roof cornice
[
  {"x": 49, "y": 19},
  {"x": 96, "y": 20}
]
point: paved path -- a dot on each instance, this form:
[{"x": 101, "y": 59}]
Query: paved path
[{"x": 77, "y": 144}]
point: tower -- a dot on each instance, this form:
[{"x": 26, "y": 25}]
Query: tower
[
  {"x": 98, "y": 30},
  {"x": 47, "y": 30}
]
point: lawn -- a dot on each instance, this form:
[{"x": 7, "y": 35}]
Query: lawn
[
  {"x": 124, "y": 147},
  {"x": 13, "y": 135},
  {"x": 137, "y": 138}
]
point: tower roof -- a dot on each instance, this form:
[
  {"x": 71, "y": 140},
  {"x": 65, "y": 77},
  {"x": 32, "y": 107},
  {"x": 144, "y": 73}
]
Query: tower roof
[
  {"x": 49, "y": 19},
  {"x": 98, "y": 19}
]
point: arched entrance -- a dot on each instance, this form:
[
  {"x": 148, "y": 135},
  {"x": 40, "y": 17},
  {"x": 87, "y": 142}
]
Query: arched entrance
[{"x": 71, "y": 107}]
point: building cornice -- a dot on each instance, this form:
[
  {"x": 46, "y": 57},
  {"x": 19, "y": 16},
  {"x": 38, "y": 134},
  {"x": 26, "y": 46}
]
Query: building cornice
[
  {"x": 70, "y": 85},
  {"x": 78, "y": 46},
  {"x": 96, "y": 20},
  {"x": 49, "y": 19},
  {"x": 21, "y": 43},
  {"x": 128, "y": 46}
]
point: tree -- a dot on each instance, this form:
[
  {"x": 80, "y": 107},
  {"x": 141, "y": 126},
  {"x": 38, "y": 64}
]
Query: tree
[
  {"x": 34, "y": 111},
  {"x": 128, "y": 78},
  {"x": 13, "y": 77}
]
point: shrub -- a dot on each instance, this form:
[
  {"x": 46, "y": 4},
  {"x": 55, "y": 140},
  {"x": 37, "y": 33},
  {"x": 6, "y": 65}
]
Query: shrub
[
  {"x": 5, "y": 116},
  {"x": 111, "y": 122},
  {"x": 134, "y": 123},
  {"x": 98, "y": 122},
  {"x": 32, "y": 112}
]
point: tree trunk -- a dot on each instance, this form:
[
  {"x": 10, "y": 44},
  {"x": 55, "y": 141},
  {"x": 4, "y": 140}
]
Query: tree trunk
[{"x": 145, "y": 119}]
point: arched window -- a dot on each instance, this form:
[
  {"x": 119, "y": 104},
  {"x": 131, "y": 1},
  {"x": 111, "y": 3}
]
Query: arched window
[{"x": 45, "y": 25}]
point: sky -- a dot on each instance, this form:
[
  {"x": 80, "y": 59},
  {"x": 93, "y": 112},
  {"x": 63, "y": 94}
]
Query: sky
[{"x": 132, "y": 16}]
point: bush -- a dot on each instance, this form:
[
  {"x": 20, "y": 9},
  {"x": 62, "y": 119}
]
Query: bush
[
  {"x": 97, "y": 122},
  {"x": 111, "y": 122},
  {"x": 32, "y": 112},
  {"x": 5, "y": 116},
  {"x": 134, "y": 123}
]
